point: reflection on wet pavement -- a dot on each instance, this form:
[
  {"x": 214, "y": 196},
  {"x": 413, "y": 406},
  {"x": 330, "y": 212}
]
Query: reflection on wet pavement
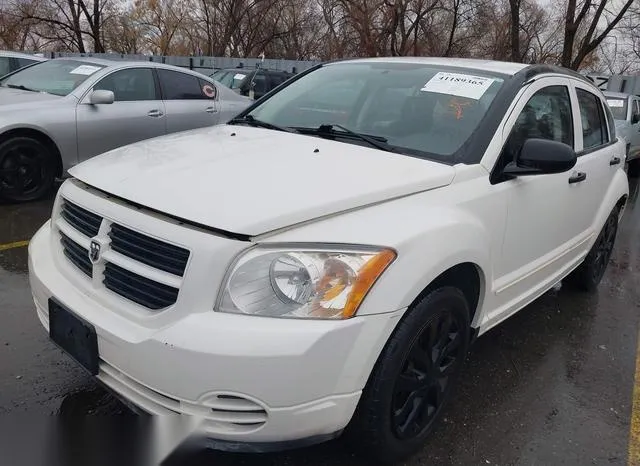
[{"x": 550, "y": 385}]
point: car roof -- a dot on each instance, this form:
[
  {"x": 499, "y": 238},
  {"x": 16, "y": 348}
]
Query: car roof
[
  {"x": 117, "y": 64},
  {"x": 495, "y": 66},
  {"x": 4, "y": 53}
]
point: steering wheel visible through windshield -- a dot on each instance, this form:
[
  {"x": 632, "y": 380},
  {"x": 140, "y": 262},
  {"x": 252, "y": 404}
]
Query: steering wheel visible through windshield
[
  {"x": 417, "y": 109},
  {"x": 58, "y": 77}
]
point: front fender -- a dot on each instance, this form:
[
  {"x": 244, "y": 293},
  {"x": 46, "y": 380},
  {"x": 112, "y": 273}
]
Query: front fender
[
  {"x": 56, "y": 123},
  {"x": 429, "y": 239}
]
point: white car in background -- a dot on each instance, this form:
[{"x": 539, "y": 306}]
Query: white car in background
[
  {"x": 321, "y": 263},
  {"x": 12, "y": 61},
  {"x": 626, "y": 114}
]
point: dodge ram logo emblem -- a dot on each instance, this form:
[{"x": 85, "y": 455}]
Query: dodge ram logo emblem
[{"x": 94, "y": 251}]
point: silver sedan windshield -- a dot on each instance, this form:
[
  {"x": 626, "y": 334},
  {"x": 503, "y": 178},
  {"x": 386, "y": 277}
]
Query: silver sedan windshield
[{"x": 58, "y": 77}]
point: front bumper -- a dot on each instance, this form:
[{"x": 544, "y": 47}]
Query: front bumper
[{"x": 248, "y": 379}]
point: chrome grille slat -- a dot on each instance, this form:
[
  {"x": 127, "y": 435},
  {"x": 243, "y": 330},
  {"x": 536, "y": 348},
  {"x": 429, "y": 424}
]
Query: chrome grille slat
[
  {"x": 76, "y": 254},
  {"x": 81, "y": 219},
  {"x": 138, "y": 267},
  {"x": 149, "y": 251},
  {"x": 138, "y": 289}
]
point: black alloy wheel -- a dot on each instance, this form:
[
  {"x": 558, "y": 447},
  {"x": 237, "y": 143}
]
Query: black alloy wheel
[
  {"x": 413, "y": 378},
  {"x": 422, "y": 384},
  {"x": 588, "y": 275},
  {"x": 27, "y": 170}
]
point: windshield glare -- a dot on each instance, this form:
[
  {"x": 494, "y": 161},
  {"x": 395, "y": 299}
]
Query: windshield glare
[
  {"x": 618, "y": 108},
  {"x": 58, "y": 77},
  {"x": 422, "y": 110}
]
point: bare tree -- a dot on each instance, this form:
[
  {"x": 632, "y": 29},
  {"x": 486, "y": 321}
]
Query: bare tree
[{"x": 586, "y": 16}]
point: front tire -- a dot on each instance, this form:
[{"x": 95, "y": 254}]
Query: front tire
[
  {"x": 27, "y": 169},
  {"x": 413, "y": 378},
  {"x": 588, "y": 275}
]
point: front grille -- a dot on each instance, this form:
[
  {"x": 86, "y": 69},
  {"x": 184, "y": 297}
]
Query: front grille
[
  {"x": 81, "y": 219},
  {"x": 149, "y": 251},
  {"x": 78, "y": 255},
  {"x": 138, "y": 289}
]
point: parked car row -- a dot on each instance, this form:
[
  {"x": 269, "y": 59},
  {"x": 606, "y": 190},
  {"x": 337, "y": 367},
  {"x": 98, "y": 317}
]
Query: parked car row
[
  {"x": 626, "y": 113},
  {"x": 320, "y": 264},
  {"x": 59, "y": 112}
]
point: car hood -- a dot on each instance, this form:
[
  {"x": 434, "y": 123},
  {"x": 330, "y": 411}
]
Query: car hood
[
  {"x": 251, "y": 181},
  {"x": 13, "y": 98}
]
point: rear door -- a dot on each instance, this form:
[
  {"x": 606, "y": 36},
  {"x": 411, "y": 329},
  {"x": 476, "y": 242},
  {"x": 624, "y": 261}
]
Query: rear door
[
  {"x": 137, "y": 113},
  {"x": 190, "y": 102},
  {"x": 598, "y": 156}
]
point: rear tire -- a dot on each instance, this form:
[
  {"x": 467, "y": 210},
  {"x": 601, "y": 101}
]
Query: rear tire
[
  {"x": 27, "y": 169},
  {"x": 413, "y": 378},
  {"x": 588, "y": 275}
]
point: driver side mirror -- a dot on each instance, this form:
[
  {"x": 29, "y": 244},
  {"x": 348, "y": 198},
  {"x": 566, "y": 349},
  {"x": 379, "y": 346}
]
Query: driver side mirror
[
  {"x": 102, "y": 96},
  {"x": 541, "y": 157},
  {"x": 635, "y": 118}
]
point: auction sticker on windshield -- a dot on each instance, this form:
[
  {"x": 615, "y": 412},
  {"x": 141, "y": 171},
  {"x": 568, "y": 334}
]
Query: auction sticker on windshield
[
  {"x": 462, "y": 85},
  {"x": 85, "y": 70}
]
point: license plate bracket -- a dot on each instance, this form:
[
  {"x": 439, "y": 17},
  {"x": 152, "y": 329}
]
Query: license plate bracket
[{"x": 74, "y": 336}]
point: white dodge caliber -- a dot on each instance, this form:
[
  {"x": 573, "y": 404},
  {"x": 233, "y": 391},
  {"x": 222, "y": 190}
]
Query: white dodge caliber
[{"x": 320, "y": 264}]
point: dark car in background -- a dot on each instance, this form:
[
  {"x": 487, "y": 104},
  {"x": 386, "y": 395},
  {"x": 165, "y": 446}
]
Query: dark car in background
[{"x": 243, "y": 80}]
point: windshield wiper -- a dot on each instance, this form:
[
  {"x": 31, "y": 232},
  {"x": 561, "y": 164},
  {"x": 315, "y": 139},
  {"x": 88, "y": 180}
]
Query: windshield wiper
[
  {"x": 252, "y": 121},
  {"x": 21, "y": 87},
  {"x": 378, "y": 142}
]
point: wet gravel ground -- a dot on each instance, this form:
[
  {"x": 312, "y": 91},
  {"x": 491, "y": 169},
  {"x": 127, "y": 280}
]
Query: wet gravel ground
[{"x": 552, "y": 385}]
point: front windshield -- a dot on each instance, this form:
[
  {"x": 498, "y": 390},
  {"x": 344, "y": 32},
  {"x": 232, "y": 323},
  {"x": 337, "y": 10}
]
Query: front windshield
[
  {"x": 58, "y": 77},
  {"x": 424, "y": 110},
  {"x": 232, "y": 79},
  {"x": 618, "y": 108}
]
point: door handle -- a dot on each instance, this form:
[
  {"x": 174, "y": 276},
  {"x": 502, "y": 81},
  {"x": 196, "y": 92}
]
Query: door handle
[
  {"x": 210, "y": 110},
  {"x": 155, "y": 113},
  {"x": 578, "y": 177},
  {"x": 614, "y": 161}
]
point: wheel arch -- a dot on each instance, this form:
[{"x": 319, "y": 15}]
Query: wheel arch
[
  {"x": 40, "y": 136},
  {"x": 469, "y": 278}
]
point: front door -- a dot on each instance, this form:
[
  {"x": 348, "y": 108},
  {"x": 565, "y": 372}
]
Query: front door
[
  {"x": 545, "y": 227},
  {"x": 138, "y": 113},
  {"x": 189, "y": 100}
]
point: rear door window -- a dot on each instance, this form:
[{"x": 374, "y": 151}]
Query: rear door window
[
  {"x": 179, "y": 86},
  {"x": 594, "y": 125}
]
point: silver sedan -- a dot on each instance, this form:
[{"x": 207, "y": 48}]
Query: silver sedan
[{"x": 60, "y": 112}]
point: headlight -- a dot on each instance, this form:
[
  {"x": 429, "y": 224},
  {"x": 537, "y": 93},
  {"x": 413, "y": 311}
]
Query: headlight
[{"x": 312, "y": 283}]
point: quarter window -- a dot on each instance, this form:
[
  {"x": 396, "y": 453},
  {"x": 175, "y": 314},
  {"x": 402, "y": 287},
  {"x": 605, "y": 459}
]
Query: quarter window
[
  {"x": 547, "y": 115},
  {"x": 134, "y": 84},
  {"x": 594, "y": 125}
]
